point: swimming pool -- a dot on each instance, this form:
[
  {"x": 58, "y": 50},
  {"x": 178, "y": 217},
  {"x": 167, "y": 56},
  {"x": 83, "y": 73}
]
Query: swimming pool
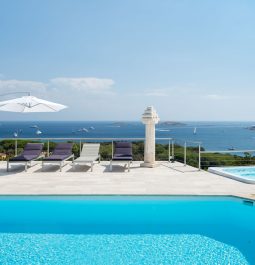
[
  {"x": 245, "y": 174},
  {"x": 140, "y": 230}
]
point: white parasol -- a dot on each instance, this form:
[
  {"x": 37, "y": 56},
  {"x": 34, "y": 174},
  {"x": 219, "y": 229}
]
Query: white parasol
[{"x": 30, "y": 104}]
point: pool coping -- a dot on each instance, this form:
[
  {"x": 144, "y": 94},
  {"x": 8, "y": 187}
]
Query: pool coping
[
  {"x": 236, "y": 196},
  {"x": 219, "y": 171}
]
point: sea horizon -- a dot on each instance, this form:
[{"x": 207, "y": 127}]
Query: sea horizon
[{"x": 216, "y": 135}]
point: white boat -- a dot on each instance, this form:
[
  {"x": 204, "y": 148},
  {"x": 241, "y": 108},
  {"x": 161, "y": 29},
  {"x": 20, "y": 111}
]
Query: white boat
[
  {"x": 195, "y": 130},
  {"x": 38, "y": 132},
  {"x": 162, "y": 130},
  {"x": 17, "y": 133},
  {"x": 83, "y": 130}
]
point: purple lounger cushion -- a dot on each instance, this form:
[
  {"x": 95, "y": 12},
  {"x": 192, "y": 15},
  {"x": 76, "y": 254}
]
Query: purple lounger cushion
[
  {"x": 123, "y": 151},
  {"x": 61, "y": 152},
  {"x": 31, "y": 151}
]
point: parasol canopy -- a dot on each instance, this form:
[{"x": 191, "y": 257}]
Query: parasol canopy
[{"x": 30, "y": 104}]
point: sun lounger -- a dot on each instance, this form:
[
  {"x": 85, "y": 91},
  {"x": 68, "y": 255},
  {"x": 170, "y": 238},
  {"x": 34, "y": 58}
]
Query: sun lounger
[
  {"x": 122, "y": 154},
  {"x": 61, "y": 153},
  {"x": 89, "y": 154},
  {"x": 31, "y": 152}
]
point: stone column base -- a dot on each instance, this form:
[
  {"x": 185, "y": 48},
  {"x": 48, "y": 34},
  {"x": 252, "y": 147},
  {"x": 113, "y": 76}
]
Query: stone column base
[{"x": 148, "y": 164}]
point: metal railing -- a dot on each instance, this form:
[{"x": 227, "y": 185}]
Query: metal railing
[
  {"x": 184, "y": 150},
  {"x": 169, "y": 141},
  {"x": 230, "y": 158}
]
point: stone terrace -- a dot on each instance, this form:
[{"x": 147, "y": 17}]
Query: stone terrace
[{"x": 165, "y": 179}]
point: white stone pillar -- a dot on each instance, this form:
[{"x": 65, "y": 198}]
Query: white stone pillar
[{"x": 149, "y": 118}]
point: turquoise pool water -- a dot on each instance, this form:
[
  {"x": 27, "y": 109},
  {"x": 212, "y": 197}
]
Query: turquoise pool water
[
  {"x": 244, "y": 174},
  {"x": 126, "y": 230},
  {"x": 247, "y": 172}
]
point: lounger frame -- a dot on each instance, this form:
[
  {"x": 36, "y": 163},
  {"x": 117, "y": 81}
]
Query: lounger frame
[
  {"x": 117, "y": 162},
  {"x": 126, "y": 157},
  {"x": 26, "y": 163},
  {"x": 86, "y": 153},
  {"x": 57, "y": 162},
  {"x": 84, "y": 162}
]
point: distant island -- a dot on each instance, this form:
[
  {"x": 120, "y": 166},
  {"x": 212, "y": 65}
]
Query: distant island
[
  {"x": 119, "y": 124},
  {"x": 171, "y": 123},
  {"x": 252, "y": 128},
  {"x": 162, "y": 124}
]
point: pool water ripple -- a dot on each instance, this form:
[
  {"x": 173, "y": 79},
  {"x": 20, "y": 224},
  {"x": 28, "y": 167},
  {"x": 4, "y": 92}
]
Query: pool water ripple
[{"x": 121, "y": 249}]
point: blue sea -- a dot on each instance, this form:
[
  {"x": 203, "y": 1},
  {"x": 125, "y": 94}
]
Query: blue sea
[{"x": 212, "y": 135}]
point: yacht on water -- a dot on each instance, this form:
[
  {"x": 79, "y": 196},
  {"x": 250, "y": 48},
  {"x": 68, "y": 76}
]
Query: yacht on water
[
  {"x": 83, "y": 130},
  {"x": 34, "y": 126},
  {"x": 38, "y": 132}
]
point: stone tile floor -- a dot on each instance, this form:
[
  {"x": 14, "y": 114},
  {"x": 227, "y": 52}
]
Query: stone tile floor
[{"x": 165, "y": 179}]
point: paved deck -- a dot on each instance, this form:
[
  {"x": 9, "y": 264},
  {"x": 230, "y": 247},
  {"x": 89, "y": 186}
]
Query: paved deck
[{"x": 165, "y": 179}]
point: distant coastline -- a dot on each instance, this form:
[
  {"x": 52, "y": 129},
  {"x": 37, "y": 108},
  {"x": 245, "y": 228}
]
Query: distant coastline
[{"x": 172, "y": 123}]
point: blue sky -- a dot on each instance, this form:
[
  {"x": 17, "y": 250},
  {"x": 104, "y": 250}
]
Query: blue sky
[{"x": 108, "y": 60}]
